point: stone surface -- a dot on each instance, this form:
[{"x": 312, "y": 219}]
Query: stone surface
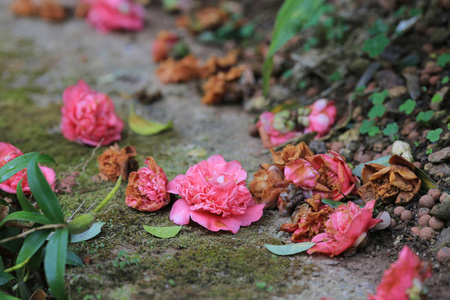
[
  {"x": 440, "y": 170},
  {"x": 439, "y": 156},
  {"x": 441, "y": 211}
]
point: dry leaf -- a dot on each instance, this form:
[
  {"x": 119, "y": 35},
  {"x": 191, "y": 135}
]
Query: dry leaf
[{"x": 216, "y": 88}]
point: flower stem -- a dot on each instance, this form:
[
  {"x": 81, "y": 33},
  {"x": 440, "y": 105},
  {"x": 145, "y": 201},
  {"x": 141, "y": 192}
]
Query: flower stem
[{"x": 109, "y": 196}]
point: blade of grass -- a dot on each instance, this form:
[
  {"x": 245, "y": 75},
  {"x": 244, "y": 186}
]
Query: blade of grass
[{"x": 55, "y": 262}]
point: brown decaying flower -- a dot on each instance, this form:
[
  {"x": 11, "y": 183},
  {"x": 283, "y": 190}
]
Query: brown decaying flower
[
  {"x": 290, "y": 153},
  {"x": 308, "y": 220},
  {"x": 51, "y": 11},
  {"x": 207, "y": 18},
  {"x": 216, "y": 86},
  {"x": 24, "y": 8},
  {"x": 82, "y": 9},
  {"x": 263, "y": 187},
  {"x": 216, "y": 64},
  {"x": 179, "y": 71},
  {"x": 115, "y": 161},
  {"x": 397, "y": 181}
]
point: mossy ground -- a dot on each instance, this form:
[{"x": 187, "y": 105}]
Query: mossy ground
[{"x": 124, "y": 261}]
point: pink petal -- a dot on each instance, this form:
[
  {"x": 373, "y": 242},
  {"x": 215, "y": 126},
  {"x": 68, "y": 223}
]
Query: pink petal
[
  {"x": 214, "y": 222},
  {"x": 180, "y": 212},
  {"x": 252, "y": 214}
]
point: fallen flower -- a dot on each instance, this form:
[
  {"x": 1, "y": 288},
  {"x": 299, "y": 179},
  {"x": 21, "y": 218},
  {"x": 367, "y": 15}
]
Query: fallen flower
[
  {"x": 205, "y": 19},
  {"x": 397, "y": 181},
  {"x": 51, "y": 11},
  {"x": 146, "y": 189},
  {"x": 215, "y": 196},
  {"x": 183, "y": 70},
  {"x": 162, "y": 45},
  {"x": 308, "y": 220},
  {"x": 218, "y": 86},
  {"x": 264, "y": 187},
  {"x": 345, "y": 229},
  {"x": 24, "y": 8},
  {"x": 7, "y": 153},
  {"x": 109, "y": 15},
  {"x": 89, "y": 117},
  {"x": 216, "y": 64},
  {"x": 114, "y": 162},
  {"x": 290, "y": 153},
  {"x": 404, "y": 279},
  {"x": 322, "y": 117},
  {"x": 269, "y": 135}
]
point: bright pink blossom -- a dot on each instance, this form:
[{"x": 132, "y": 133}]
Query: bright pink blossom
[
  {"x": 89, "y": 117},
  {"x": 403, "y": 280},
  {"x": 273, "y": 136},
  {"x": 109, "y": 15},
  {"x": 7, "y": 153},
  {"x": 146, "y": 189},
  {"x": 346, "y": 227},
  {"x": 322, "y": 117},
  {"x": 214, "y": 194}
]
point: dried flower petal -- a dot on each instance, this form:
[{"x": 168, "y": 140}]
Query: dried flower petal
[
  {"x": 263, "y": 187},
  {"x": 114, "y": 162},
  {"x": 52, "y": 11},
  {"x": 162, "y": 45},
  {"x": 290, "y": 153},
  {"x": 183, "y": 70},
  {"x": 24, "y": 8},
  {"x": 204, "y": 19},
  {"x": 216, "y": 86}
]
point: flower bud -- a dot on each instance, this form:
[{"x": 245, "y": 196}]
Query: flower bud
[{"x": 81, "y": 224}]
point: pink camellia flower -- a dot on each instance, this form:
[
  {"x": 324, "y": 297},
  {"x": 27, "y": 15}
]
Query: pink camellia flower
[
  {"x": 322, "y": 117},
  {"x": 403, "y": 280},
  {"x": 345, "y": 229},
  {"x": 269, "y": 135},
  {"x": 146, "y": 189},
  {"x": 215, "y": 196},
  {"x": 325, "y": 174},
  {"x": 108, "y": 15},
  {"x": 89, "y": 117},
  {"x": 7, "y": 153}
]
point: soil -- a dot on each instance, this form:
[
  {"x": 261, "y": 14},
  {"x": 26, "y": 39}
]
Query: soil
[{"x": 38, "y": 60}]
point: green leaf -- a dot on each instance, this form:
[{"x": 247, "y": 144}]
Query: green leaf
[
  {"x": 14, "y": 245},
  {"x": 27, "y": 216},
  {"x": 163, "y": 232},
  {"x": 381, "y": 161},
  {"x": 332, "y": 204},
  {"x": 73, "y": 259},
  {"x": 32, "y": 244},
  {"x": 375, "y": 46},
  {"x": 443, "y": 59},
  {"x": 43, "y": 193},
  {"x": 142, "y": 126},
  {"x": 336, "y": 76},
  {"x": 20, "y": 163},
  {"x": 429, "y": 151},
  {"x": 433, "y": 135},
  {"x": 95, "y": 229},
  {"x": 378, "y": 98},
  {"x": 373, "y": 130},
  {"x": 445, "y": 80},
  {"x": 24, "y": 202},
  {"x": 437, "y": 98},
  {"x": 391, "y": 129},
  {"x": 291, "y": 18},
  {"x": 377, "y": 110},
  {"x": 408, "y": 106},
  {"x": 378, "y": 27},
  {"x": 427, "y": 182},
  {"x": 424, "y": 116},
  {"x": 55, "y": 262},
  {"x": 4, "y": 279},
  {"x": 365, "y": 126},
  {"x": 289, "y": 249}
]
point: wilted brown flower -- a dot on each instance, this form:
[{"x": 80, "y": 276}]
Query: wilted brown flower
[
  {"x": 23, "y": 8},
  {"x": 183, "y": 70},
  {"x": 82, "y": 9},
  {"x": 115, "y": 161},
  {"x": 52, "y": 11},
  {"x": 264, "y": 187},
  {"x": 215, "y": 64},
  {"x": 397, "y": 181},
  {"x": 290, "y": 153},
  {"x": 308, "y": 220},
  {"x": 217, "y": 86},
  {"x": 207, "y": 18}
]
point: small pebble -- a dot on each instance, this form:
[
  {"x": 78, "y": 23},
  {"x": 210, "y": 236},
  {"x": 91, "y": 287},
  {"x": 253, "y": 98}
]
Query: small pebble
[
  {"x": 377, "y": 156},
  {"x": 406, "y": 215},
  {"x": 413, "y": 135},
  {"x": 418, "y": 165},
  {"x": 443, "y": 196},
  {"x": 423, "y": 211},
  {"x": 436, "y": 224},
  {"x": 443, "y": 255},
  {"x": 365, "y": 158},
  {"x": 415, "y": 230},
  {"x": 424, "y": 220},
  {"x": 398, "y": 210},
  {"x": 426, "y": 201},
  {"x": 336, "y": 146},
  {"x": 435, "y": 193},
  {"x": 434, "y": 80},
  {"x": 424, "y": 79},
  {"x": 393, "y": 223},
  {"x": 427, "y": 233}
]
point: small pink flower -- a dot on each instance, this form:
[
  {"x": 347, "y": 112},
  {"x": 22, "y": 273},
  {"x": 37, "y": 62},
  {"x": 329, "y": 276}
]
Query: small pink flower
[
  {"x": 322, "y": 117},
  {"x": 345, "y": 229},
  {"x": 301, "y": 173},
  {"x": 108, "y": 15},
  {"x": 403, "y": 280},
  {"x": 7, "y": 153},
  {"x": 89, "y": 117},
  {"x": 215, "y": 196},
  {"x": 269, "y": 135},
  {"x": 146, "y": 189}
]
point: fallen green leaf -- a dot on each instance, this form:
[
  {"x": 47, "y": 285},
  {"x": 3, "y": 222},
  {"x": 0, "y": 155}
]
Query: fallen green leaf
[
  {"x": 142, "y": 126},
  {"x": 163, "y": 232},
  {"x": 95, "y": 229},
  {"x": 381, "y": 161},
  {"x": 289, "y": 249},
  {"x": 427, "y": 182}
]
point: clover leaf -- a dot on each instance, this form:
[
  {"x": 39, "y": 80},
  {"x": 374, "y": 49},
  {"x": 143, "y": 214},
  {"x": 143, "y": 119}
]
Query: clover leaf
[
  {"x": 375, "y": 46},
  {"x": 433, "y": 135},
  {"x": 378, "y": 98},
  {"x": 377, "y": 111},
  {"x": 437, "y": 98},
  {"x": 424, "y": 116},
  {"x": 390, "y": 129},
  {"x": 443, "y": 59}
]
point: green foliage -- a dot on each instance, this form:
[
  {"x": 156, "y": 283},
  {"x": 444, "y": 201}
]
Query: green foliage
[
  {"x": 336, "y": 76},
  {"x": 289, "y": 249},
  {"x": 378, "y": 98},
  {"x": 429, "y": 151},
  {"x": 437, "y": 98},
  {"x": 378, "y": 27},
  {"x": 369, "y": 127},
  {"x": 391, "y": 129},
  {"x": 310, "y": 43},
  {"x": 377, "y": 110},
  {"x": 424, "y": 116},
  {"x": 433, "y": 135},
  {"x": 445, "y": 80},
  {"x": 163, "y": 232},
  {"x": 375, "y": 46},
  {"x": 292, "y": 17},
  {"x": 443, "y": 59},
  {"x": 123, "y": 260},
  {"x": 143, "y": 126},
  {"x": 408, "y": 106}
]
